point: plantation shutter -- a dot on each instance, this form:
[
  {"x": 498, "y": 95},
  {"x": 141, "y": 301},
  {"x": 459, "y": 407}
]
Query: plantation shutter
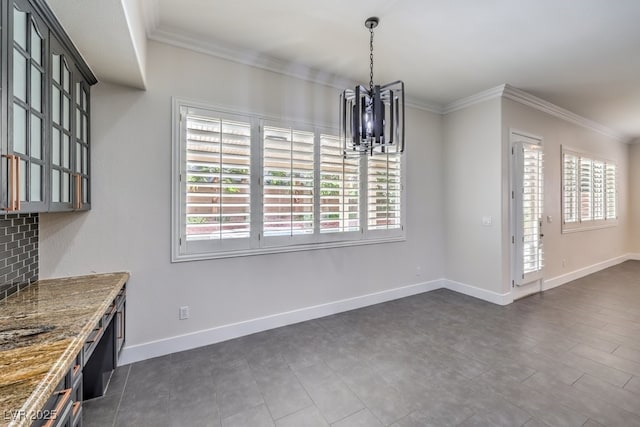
[
  {"x": 586, "y": 189},
  {"x": 570, "y": 188},
  {"x": 384, "y": 188},
  {"x": 288, "y": 169},
  {"x": 217, "y": 179},
  {"x": 339, "y": 188},
  {"x": 598, "y": 190},
  {"x": 610, "y": 190},
  {"x": 529, "y": 209}
]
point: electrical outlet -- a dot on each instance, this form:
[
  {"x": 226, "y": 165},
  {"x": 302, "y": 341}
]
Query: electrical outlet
[
  {"x": 564, "y": 263},
  {"x": 418, "y": 271},
  {"x": 184, "y": 312}
]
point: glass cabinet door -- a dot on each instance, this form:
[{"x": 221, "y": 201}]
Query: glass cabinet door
[
  {"x": 63, "y": 196},
  {"x": 26, "y": 161},
  {"x": 81, "y": 138}
]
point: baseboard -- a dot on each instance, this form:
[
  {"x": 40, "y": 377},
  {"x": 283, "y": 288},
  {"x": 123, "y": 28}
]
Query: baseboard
[
  {"x": 136, "y": 353},
  {"x": 483, "y": 294},
  {"x": 635, "y": 257},
  {"x": 584, "y": 271}
]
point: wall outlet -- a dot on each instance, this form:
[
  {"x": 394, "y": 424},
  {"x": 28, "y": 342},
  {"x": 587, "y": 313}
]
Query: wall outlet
[
  {"x": 418, "y": 271},
  {"x": 184, "y": 312},
  {"x": 564, "y": 263}
]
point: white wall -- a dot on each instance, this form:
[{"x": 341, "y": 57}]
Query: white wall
[
  {"x": 579, "y": 250},
  {"x": 634, "y": 198},
  {"x": 128, "y": 227},
  {"x": 473, "y": 176}
]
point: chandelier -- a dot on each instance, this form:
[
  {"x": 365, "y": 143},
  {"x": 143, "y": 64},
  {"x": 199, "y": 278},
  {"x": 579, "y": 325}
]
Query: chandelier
[{"x": 372, "y": 119}]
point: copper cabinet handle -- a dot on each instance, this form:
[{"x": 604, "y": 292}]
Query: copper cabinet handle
[
  {"x": 96, "y": 336},
  {"x": 13, "y": 161},
  {"x": 120, "y": 326},
  {"x": 66, "y": 395},
  {"x": 76, "y": 407}
]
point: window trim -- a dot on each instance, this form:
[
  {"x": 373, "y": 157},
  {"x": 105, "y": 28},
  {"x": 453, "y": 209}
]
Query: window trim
[
  {"x": 591, "y": 224},
  {"x": 261, "y": 246}
]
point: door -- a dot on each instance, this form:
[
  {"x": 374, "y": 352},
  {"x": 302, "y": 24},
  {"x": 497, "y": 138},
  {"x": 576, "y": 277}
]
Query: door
[{"x": 527, "y": 194}]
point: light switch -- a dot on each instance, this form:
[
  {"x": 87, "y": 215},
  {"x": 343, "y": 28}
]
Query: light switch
[{"x": 487, "y": 221}]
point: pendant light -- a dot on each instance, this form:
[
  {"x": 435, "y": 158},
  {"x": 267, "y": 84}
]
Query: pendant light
[{"x": 372, "y": 119}]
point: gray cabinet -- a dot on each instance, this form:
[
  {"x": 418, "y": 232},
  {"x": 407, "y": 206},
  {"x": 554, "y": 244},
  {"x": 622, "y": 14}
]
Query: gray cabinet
[
  {"x": 45, "y": 115},
  {"x": 91, "y": 370}
]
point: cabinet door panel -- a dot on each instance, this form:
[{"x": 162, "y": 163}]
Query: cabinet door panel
[
  {"x": 36, "y": 88},
  {"x": 19, "y": 75},
  {"x": 44, "y": 112},
  {"x": 36, "y": 182},
  {"x": 19, "y": 129},
  {"x": 36, "y": 137},
  {"x": 25, "y": 96}
]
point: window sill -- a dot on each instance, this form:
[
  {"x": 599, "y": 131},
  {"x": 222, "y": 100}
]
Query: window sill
[
  {"x": 581, "y": 227},
  {"x": 283, "y": 249}
]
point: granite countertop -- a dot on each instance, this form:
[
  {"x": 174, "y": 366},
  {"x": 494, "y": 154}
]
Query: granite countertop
[{"x": 42, "y": 329}]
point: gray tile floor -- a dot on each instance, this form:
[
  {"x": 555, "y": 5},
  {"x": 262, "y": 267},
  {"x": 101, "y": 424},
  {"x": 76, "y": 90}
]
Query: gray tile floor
[{"x": 567, "y": 357}]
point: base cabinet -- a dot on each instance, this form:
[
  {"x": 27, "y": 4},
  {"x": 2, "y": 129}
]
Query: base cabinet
[{"x": 91, "y": 371}]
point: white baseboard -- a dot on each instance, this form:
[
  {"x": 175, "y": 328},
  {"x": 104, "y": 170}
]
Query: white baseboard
[
  {"x": 483, "y": 294},
  {"x": 136, "y": 353},
  {"x": 584, "y": 271}
]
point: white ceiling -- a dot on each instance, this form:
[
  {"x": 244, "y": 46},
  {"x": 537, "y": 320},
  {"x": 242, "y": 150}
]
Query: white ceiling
[{"x": 580, "y": 55}]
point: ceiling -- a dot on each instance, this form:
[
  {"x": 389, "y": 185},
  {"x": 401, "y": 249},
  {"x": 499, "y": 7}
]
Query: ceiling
[{"x": 582, "y": 55}]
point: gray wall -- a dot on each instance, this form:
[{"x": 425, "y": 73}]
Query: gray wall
[{"x": 129, "y": 224}]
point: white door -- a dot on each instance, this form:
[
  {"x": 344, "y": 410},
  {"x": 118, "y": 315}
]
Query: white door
[{"x": 527, "y": 210}]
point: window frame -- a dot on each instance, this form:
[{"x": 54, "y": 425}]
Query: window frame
[
  {"x": 257, "y": 243},
  {"x": 580, "y": 224}
]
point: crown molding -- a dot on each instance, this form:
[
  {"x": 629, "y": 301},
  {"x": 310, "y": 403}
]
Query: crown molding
[
  {"x": 249, "y": 57},
  {"x": 509, "y": 92},
  {"x": 540, "y": 104},
  {"x": 151, "y": 15},
  {"x": 266, "y": 62},
  {"x": 485, "y": 95},
  {"x": 260, "y": 60}
]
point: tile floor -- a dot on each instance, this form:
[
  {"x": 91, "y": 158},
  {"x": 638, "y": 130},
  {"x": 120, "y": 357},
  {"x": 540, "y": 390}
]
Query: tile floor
[{"x": 567, "y": 357}]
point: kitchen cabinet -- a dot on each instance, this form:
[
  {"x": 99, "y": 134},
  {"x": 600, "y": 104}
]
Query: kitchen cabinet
[
  {"x": 90, "y": 371},
  {"x": 61, "y": 344},
  {"x": 64, "y": 407},
  {"x": 45, "y": 127}
]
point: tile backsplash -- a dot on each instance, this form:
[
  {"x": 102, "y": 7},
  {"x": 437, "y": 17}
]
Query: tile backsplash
[{"x": 18, "y": 252}]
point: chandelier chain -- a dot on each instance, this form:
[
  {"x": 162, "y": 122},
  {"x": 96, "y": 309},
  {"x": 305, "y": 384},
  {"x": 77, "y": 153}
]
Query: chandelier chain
[{"x": 371, "y": 60}]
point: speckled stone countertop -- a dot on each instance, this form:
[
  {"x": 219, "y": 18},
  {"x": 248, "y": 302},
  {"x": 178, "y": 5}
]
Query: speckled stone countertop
[{"x": 42, "y": 329}]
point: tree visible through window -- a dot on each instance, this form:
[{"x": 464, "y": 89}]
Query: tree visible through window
[
  {"x": 218, "y": 179},
  {"x": 245, "y": 187}
]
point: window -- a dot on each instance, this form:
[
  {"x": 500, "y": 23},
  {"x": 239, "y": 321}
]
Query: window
[
  {"x": 288, "y": 182},
  {"x": 383, "y": 203},
  {"x": 245, "y": 184},
  {"x": 589, "y": 193},
  {"x": 339, "y": 188}
]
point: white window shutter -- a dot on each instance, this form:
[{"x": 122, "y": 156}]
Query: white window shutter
[
  {"x": 611, "y": 191},
  {"x": 339, "y": 188},
  {"x": 384, "y": 187},
  {"x": 529, "y": 209},
  {"x": 218, "y": 177},
  {"x": 570, "y": 188},
  {"x": 288, "y": 182}
]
